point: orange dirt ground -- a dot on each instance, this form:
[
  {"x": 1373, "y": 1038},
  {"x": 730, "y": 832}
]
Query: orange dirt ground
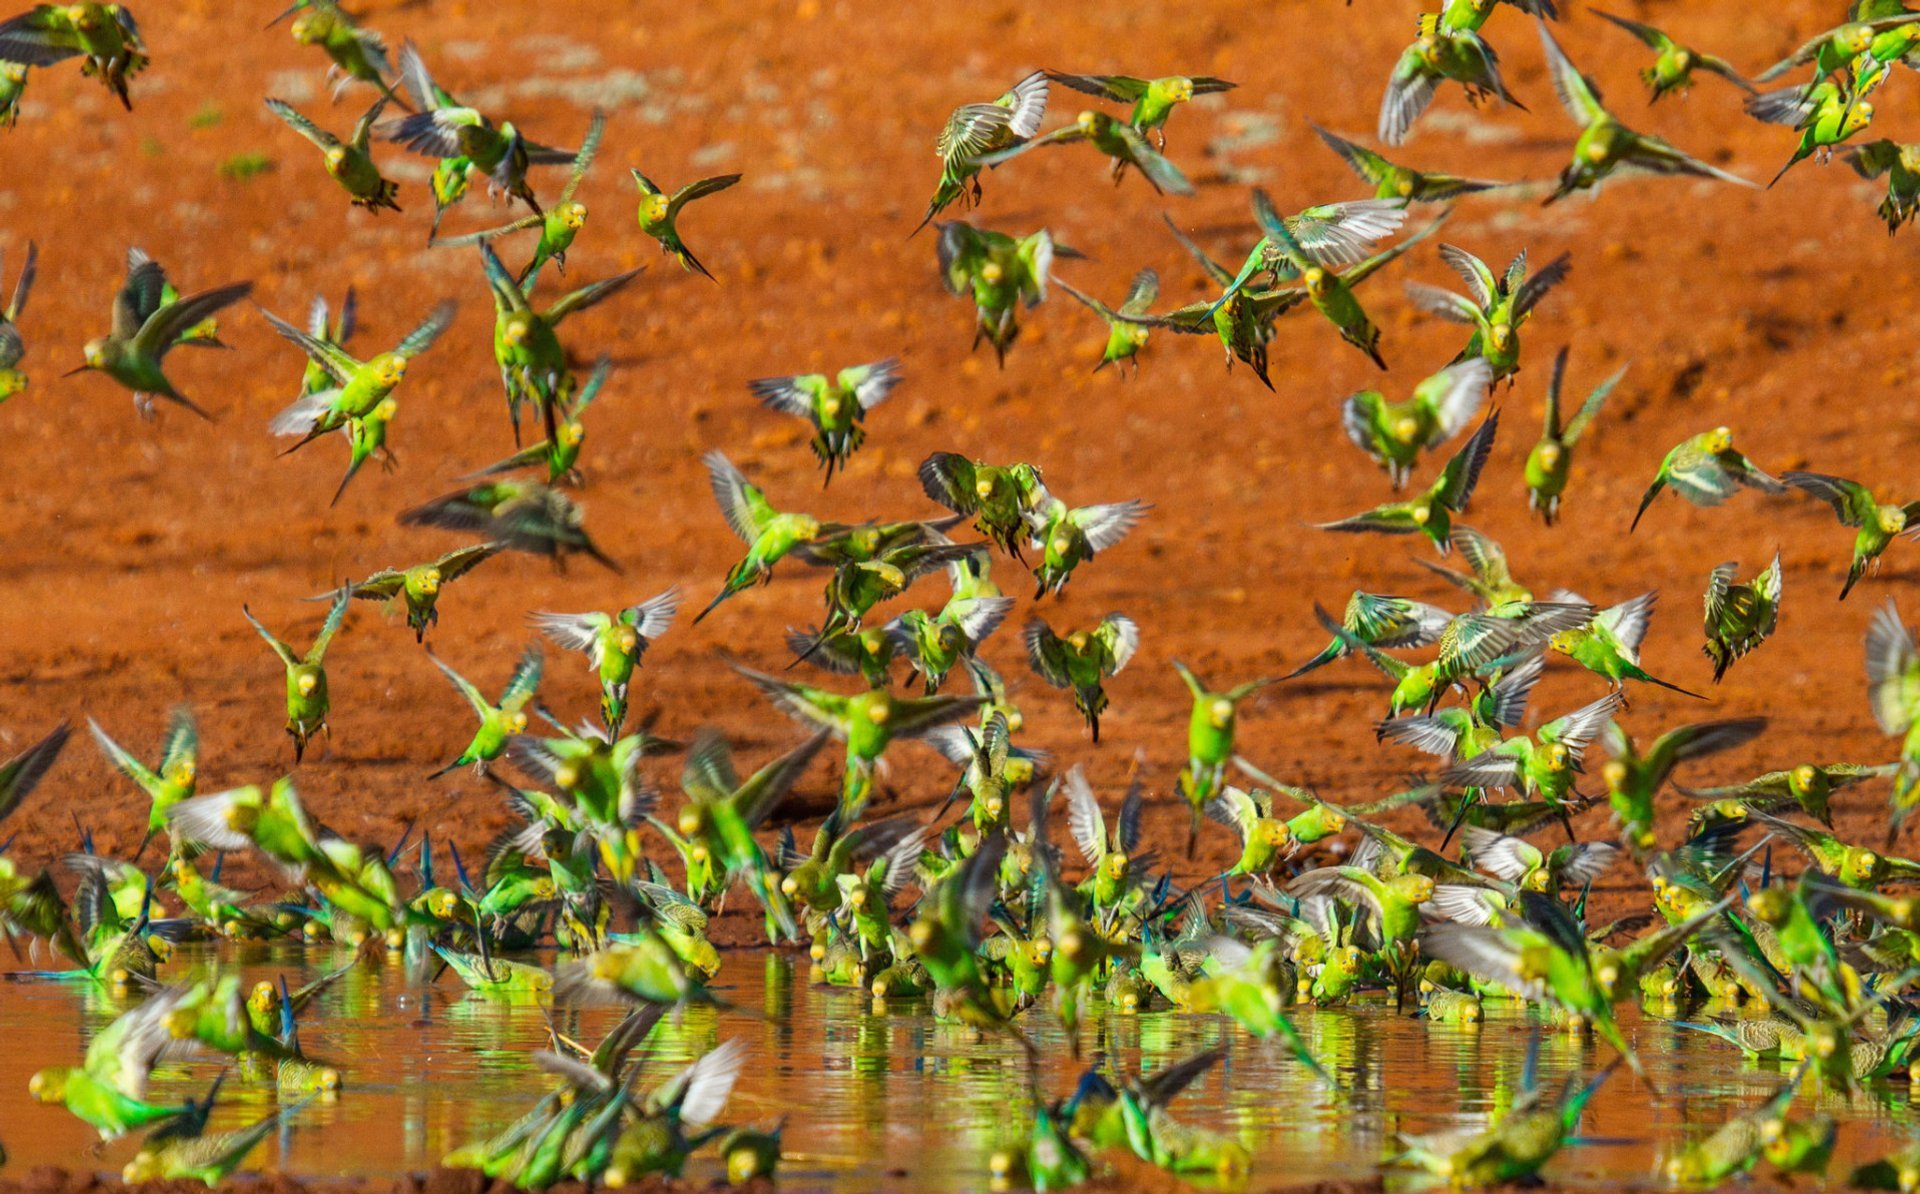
[{"x": 128, "y": 547}]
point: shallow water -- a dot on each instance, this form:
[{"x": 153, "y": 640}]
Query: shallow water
[{"x": 872, "y": 1099}]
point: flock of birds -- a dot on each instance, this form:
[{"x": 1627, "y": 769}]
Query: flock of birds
[{"x": 1809, "y": 969}]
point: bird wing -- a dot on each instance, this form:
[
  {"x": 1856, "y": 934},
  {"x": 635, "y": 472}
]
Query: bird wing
[
  {"x": 340, "y": 366},
  {"x": 329, "y": 628},
  {"x": 1536, "y": 286},
  {"x": 583, "y": 160},
  {"x": 1579, "y": 728},
  {"x": 160, "y": 331},
  {"x": 1121, "y": 637},
  {"x": 1364, "y": 162},
  {"x": 1088, "y": 827},
  {"x": 1481, "y": 283},
  {"x": 650, "y": 618},
  {"x": 871, "y": 383},
  {"x": 741, "y": 502},
  {"x": 466, "y": 688},
  {"x": 421, "y": 338},
  {"x": 1455, "y": 395},
  {"x": 24, "y": 284},
  {"x": 699, "y": 189},
  {"x": 302, "y": 125},
  {"x": 1338, "y": 235},
  {"x": 789, "y": 395},
  {"x": 1851, "y": 501},
  {"x": 1046, "y": 654},
  {"x": 766, "y": 788},
  {"x": 23, "y": 772},
  {"x": 279, "y": 648},
  {"x": 525, "y": 678},
  {"x": 1718, "y": 582},
  {"x": 182, "y": 743},
  {"x": 1123, "y": 89},
  {"x": 587, "y": 296},
  {"x": 1577, "y": 426},
  {"x": 1577, "y": 93},
  {"x": 1106, "y": 524},
  {"x": 1646, "y": 33},
  {"x": 1455, "y": 487},
  {"x": 1893, "y": 671},
  {"x": 457, "y": 563}
]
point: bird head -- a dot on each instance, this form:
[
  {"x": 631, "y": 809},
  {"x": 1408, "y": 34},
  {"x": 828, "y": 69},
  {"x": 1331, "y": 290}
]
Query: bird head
[
  {"x": 1861, "y": 865},
  {"x": 571, "y": 433},
  {"x": 1683, "y": 59},
  {"x": 1550, "y": 453},
  {"x": 182, "y": 773},
  {"x": 920, "y": 934},
  {"x": 1075, "y": 944},
  {"x": 1556, "y": 756},
  {"x": 94, "y": 354},
  {"x": 1414, "y": 889},
  {"x": 1114, "y": 866},
  {"x": 873, "y": 644},
  {"x": 1614, "y": 775},
  {"x": 806, "y": 526},
  {"x": 309, "y": 27},
  {"x": 573, "y": 216},
  {"x": 1855, "y": 38},
  {"x": 996, "y": 807},
  {"x": 626, "y": 638},
  {"x": 1406, "y": 428},
  {"x": 1608, "y": 972},
  {"x": 1077, "y": 640},
  {"x": 12, "y": 382},
  {"x": 566, "y": 776},
  {"x": 1720, "y": 439},
  {"x": 1823, "y": 1037},
  {"x": 336, "y": 157},
  {"x": 84, "y": 16},
  {"x": 390, "y": 370},
  {"x": 1801, "y": 778},
  {"x": 264, "y": 999},
  {"x": 514, "y": 334},
  {"x": 1422, "y": 513},
  {"x": 443, "y": 904},
  {"x": 1220, "y": 713},
  {"x": 1276, "y": 834},
  {"x": 430, "y": 581},
  {"x": 1859, "y": 117},
  {"x": 830, "y": 407},
  {"x": 1538, "y": 879},
  {"x": 307, "y": 683},
  {"x": 991, "y": 273},
  {"x": 856, "y": 899},
  {"x": 517, "y": 722},
  {"x": 1180, "y": 89},
  {"x": 1892, "y": 519},
  {"x": 1501, "y": 337},
  {"x": 1771, "y": 904},
  {"x": 653, "y": 209},
  {"x": 1316, "y": 280},
  {"x": 327, "y": 1080},
  {"x": 1000, "y": 1168},
  {"x": 48, "y": 1086},
  {"x": 691, "y": 822},
  {"x": 384, "y": 413},
  {"x": 878, "y": 711}
]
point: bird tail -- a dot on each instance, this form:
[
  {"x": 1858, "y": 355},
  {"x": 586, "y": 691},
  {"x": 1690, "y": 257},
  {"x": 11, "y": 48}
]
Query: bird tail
[{"x": 1671, "y": 687}]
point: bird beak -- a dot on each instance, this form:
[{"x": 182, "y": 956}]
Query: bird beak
[{"x": 283, "y": 16}]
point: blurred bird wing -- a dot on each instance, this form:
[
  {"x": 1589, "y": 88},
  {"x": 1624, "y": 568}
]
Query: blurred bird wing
[{"x": 1577, "y": 94}]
